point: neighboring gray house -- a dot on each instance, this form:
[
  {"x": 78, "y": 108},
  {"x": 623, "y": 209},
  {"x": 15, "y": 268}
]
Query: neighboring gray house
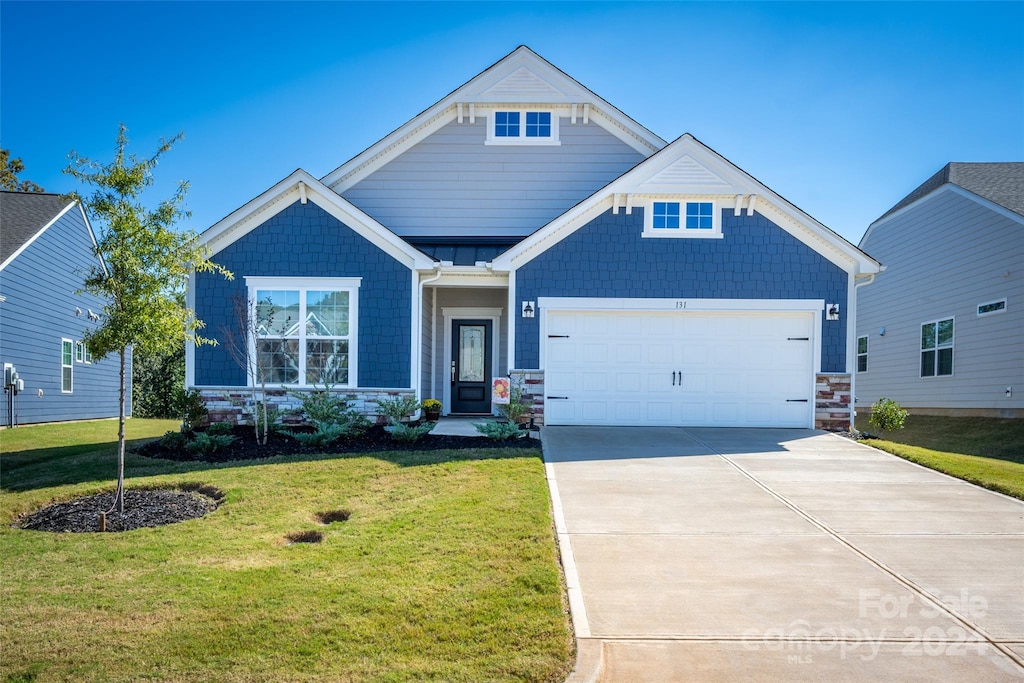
[
  {"x": 941, "y": 330},
  {"x": 524, "y": 226},
  {"x": 46, "y": 248}
]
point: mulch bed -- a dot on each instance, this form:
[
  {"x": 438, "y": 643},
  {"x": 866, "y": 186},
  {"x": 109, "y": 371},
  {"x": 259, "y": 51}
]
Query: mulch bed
[
  {"x": 374, "y": 440},
  {"x": 142, "y": 508}
]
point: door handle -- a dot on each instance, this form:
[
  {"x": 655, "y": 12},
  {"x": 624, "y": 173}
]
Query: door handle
[
  {"x": 453, "y": 372},
  {"x": 673, "y": 378}
]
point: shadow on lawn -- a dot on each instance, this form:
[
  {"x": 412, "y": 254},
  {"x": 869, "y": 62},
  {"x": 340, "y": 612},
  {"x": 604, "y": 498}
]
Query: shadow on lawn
[{"x": 97, "y": 463}]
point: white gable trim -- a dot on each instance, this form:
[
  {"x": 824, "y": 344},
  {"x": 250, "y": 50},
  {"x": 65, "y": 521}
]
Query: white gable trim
[
  {"x": 942, "y": 189},
  {"x": 301, "y": 186},
  {"x": 687, "y": 167},
  {"x": 28, "y": 242},
  {"x": 521, "y": 78}
]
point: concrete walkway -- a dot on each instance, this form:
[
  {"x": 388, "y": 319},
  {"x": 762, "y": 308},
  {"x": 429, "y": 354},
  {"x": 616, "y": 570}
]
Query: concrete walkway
[{"x": 741, "y": 554}]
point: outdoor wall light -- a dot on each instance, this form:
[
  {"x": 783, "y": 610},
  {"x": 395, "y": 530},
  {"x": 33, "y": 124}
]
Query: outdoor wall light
[
  {"x": 528, "y": 309},
  {"x": 832, "y": 312}
]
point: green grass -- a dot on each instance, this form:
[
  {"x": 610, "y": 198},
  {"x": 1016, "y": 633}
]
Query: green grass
[
  {"x": 446, "y": 570},
  {"x": 985, "y": 451}
]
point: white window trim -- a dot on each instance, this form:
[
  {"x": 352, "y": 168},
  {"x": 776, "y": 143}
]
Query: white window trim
[
  {"x": 88, "y": 355},
  {"x": 682, "y": 232},
  {"x": 79, "y": 352},
  {"x": 302, "y": 284},
  {"x": 858, "y": 354},
  {"x": 70, "y": 366},
  {"x": 522, "y": 139},
  {"x": 989, "y": 303},
  {"x": 951, "y": 346}
]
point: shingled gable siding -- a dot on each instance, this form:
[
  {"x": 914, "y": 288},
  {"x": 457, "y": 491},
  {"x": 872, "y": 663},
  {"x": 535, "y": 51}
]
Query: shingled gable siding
[
  {"x": 306, "y": 241},
  {"x": 39, "y": 286},
  {"x": 755, "y": 259}
]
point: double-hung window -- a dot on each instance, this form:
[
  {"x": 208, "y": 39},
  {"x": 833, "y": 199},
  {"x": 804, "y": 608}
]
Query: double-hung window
[
  {"x": 522, "y": 127},
  {"x": 937, "y": 348},
  {"x": 862, "y": 354},
  {"x": 79, "y": 352},
  {"x": 681, "y": 219},
  {"x": 305, "y": 330},
  {"x": 67, "y": 367}
]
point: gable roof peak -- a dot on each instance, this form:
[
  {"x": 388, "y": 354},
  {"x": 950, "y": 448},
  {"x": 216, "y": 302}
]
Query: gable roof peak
[{"x": 1000, "y": 182}]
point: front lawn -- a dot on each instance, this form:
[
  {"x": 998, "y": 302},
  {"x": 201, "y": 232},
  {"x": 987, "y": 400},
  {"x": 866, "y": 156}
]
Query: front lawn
[
  {"x": 985, "y": 451},
  {"x": 446, "y": 569}
]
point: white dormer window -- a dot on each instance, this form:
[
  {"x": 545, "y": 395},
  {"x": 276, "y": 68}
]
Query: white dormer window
[
  {"x": 522, "y": 127},
  {"x": 682, "y": 219}
]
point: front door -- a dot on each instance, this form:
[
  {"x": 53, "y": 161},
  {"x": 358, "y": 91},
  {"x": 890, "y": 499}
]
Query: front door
[{"x": 471, "y": 366}]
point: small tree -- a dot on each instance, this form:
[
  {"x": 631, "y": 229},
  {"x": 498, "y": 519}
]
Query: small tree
[
  {"x": 241, "y": 345},
  {"x": 144, "y": 266}
]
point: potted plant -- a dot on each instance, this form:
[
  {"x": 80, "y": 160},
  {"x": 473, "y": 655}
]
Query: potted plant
[{"x": 432, "y": 409}]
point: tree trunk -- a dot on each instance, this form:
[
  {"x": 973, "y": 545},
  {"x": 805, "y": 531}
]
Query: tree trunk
[{"x": 119, "y": 494}]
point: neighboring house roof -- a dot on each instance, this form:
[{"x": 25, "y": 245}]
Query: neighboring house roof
[
  {"x": 688, "y": 166},
  {"x": 520, "y": 77},
  {"x": 24, "y": 216},
  {"x": 999, "y": 182}
]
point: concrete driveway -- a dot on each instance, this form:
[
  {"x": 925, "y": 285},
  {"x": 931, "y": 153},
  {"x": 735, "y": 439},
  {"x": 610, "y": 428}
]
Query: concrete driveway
[{"x": 696, "y": 554}]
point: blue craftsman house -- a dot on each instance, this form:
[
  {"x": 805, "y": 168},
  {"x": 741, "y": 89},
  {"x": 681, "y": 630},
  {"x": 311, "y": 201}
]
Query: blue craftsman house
[
  {"x": 47, "y": 246},
  {"x": 524, "y": 227}
]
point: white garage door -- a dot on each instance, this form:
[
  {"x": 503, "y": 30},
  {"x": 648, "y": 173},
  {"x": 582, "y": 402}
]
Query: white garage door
[{"x": 679, "y": 368}]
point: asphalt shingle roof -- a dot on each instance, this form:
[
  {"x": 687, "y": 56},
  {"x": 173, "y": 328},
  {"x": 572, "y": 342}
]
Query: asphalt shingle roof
[
  {"x": 22, "y": 215},
  {"x": 1001, "y": 182}
]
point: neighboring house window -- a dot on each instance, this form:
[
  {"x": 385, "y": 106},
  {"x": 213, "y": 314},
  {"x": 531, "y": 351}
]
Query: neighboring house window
[
  {"x": 79, "y": 352},
  {"x": 522, "y": 128},
  {"x": 681, "y": 219},
  {"x": 937, "y": 348},
  {"x": 862, "y": 354},
  {"x": 992, "y": 307},
  {"x": 305, "y": 330},
  {"x": 88, "y": 355},
  {"x": 66, "y": 366}
]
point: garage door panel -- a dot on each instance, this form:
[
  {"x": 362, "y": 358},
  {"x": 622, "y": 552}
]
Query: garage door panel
[{"x": 680, "y": 368}]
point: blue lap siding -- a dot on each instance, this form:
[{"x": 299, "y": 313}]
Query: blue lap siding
[
  {"x": 755, "y": 259},
  {"x": 40, "y": 288},
  {"x": 306, "y": 241}
]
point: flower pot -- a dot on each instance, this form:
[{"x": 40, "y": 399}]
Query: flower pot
[{"x": 432, "y": 415}]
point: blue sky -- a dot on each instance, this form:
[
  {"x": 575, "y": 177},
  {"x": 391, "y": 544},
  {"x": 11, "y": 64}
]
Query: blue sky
[{"x": 842, "y": 108}]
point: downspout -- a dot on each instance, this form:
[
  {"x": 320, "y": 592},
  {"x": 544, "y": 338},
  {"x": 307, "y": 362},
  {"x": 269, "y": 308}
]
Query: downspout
[
  {"x": 851, "y": 357},
  {"x": 419, "y": 345}
]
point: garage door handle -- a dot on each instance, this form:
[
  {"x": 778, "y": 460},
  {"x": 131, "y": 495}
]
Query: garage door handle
[
  {"x": 673, "y": 378},
  {"x": 558, "y": 336},
  {"x": 798, "y": 339},
  {"x": 560, "y": 398},
  {"x": 796, "y": 400}
]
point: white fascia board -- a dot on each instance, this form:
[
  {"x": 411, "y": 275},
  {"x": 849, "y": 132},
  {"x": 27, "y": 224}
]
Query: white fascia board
[
  {"x": 285, "y": 193},
  {"x": 565, "y": 90},
  {"x": 938, "y": 192},
  {"x": 29, "y": 241},
  {"x": 469, "y": 276},
  {"x": 633, "y": 182}
]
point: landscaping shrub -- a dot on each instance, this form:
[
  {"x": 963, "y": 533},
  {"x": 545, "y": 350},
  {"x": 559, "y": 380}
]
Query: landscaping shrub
[
  {"x": 408, "y": 433},
  {"x": 499, "y": 431},
  {"x": 204, "y": 444},
  {"x": 193, "y": 410},
  {"x": 324, "y": 434},
  {"x": 397, "y": 408},
  {"x": 887, "y": 415},
  {"x": 219, "y": 428},
  {"x": 174, "y": 441}
]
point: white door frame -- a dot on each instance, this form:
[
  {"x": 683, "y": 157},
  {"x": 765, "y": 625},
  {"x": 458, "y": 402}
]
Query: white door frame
[{"x": 458, "y": 313}]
